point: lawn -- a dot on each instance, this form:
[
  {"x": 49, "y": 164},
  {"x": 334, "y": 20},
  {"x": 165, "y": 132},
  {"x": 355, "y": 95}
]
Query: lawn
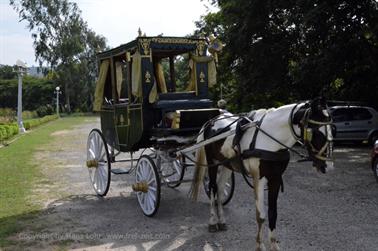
[{"x": 19, "y": 172}]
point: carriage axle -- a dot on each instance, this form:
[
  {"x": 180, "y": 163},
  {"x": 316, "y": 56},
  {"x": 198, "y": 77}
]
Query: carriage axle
[
  {"x": 140, "y": 187},
  {"x": 92, "y": 163}
]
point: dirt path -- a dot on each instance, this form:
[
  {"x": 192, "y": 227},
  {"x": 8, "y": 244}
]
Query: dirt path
[{"x": 336, "y": 211}]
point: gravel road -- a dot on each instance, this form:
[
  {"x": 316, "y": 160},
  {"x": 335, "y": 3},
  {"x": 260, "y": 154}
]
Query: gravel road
[{"x": 333, "y": 211}]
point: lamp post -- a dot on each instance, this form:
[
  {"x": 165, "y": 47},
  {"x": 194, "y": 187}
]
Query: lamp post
[
  {"x": 20, "y": 69},
  {"x": 57, "y": 91}
]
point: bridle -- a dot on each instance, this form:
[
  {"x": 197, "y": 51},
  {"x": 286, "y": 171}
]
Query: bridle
[{"x": 308, "y": 126}]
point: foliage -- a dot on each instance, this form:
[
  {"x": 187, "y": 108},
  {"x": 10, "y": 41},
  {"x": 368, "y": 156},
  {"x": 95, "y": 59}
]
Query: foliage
[
  {"x": 31, "y": 123},
  {"x": 63, "y": 40},
  {"x": 282, "y": 51},
  {"x": 7, "y": 115},
  {"x": 35, "y": 92},
  {"x": 7, "y": 72},
  {"x": 7, "y": 131}
]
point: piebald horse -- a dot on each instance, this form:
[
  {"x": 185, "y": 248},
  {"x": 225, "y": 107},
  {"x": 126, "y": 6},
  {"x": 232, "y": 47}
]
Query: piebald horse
[{"x": 260, "y": 149}]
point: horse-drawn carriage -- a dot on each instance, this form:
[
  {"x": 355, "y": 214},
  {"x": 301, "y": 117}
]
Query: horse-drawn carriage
[{"x": 151, "y": 93}]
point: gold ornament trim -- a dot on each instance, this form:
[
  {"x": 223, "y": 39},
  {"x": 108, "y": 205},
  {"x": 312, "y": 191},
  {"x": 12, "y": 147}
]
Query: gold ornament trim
[
  {"x": 201, "y": 48},
  {"x": 148, "y": 77},
  {"x": 202, "y": 77},
  {"x": 145, "y": 44},
  {"x": 174, "y": 40}
]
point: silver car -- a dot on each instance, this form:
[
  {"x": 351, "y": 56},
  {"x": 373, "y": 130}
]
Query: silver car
[{"x": 355, "y": 123}]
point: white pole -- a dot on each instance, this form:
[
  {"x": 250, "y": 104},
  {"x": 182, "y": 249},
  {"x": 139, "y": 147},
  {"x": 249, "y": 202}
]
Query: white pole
[
  {"x": 19, "y": 103},
  {"x": 57, "y": 103},
  {"x": 57, "y": 91}
]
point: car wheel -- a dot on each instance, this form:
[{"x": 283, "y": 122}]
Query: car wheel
[
  {"x": 373, "y": 138},
  {"x": 375, "y": 168}
]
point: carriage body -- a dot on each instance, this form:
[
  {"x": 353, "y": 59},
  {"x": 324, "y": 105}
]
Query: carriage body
[
  {"x": 138, "y": 97},
  {"x": 151, "y": 93}
]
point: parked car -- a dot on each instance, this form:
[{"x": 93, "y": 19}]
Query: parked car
[
  {"x": 355, "y": 123},
  {"x": 374, "y": 160}
]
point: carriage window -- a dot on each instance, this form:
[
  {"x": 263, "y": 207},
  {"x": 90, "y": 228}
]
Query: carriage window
[
  {"x": 121, "y": 80},
  {"x": 173, "y": 73}
]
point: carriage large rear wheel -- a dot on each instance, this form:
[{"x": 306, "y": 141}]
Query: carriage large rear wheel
[
  {"x": 147, "y": 185},
  {"x": 228, "y": 190},
  {"x": 98, "y": 162}
]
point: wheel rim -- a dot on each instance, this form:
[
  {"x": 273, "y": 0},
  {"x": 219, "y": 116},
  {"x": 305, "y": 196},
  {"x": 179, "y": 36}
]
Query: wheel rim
[
  {"x": 176, "y": 177},
  {"x": 97, "y": 150},
  {"x": 147, "y": 173}
]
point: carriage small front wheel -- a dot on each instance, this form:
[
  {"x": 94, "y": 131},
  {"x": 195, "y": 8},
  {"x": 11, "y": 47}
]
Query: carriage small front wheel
[
  {"x": 98, "y": 162},
  {"x": 147, "y": 185},
  {"x": 228, "y": 190}
]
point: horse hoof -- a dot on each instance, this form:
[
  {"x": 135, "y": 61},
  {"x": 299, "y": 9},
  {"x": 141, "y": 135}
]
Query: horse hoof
[
  {"x": 261, "y": 247},
  {"x": 213, "y": 228},
  {"x": 222, "y": 226}
]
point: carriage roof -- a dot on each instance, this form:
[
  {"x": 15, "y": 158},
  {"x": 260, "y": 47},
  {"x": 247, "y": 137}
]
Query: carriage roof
[{"x": 170, "y": 45}]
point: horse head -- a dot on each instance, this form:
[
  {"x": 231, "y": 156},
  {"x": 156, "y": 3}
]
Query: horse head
[{"x": 315, "y": 122}]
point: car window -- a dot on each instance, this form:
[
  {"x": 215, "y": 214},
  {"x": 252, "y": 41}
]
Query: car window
[
  {"x": 340, "y": 115},
  {"x": 360, "y": 114}
]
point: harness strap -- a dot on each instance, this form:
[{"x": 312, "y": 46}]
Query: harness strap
[
  {"x": 258, "y": 125},
  {"x": 282, "y": 155}
]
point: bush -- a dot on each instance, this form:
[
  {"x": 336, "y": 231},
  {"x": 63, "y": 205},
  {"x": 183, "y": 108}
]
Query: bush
[
  {"x": 31, "y": 123},
  {"x": 29, "y": 115},
  {"x": 7, "y": 131},
  {"x": 44, "y": 110},
  {"x": 7, "y": 115}
]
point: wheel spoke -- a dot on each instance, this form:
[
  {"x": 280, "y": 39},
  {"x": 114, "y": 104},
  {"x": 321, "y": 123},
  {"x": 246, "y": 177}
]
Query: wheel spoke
[
  {"x": 152, "y": 188},
  {"x": 92, "y": 153}
]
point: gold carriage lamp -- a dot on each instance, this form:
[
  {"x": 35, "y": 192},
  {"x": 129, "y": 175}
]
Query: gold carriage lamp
[{"x": 215, "y": 47}]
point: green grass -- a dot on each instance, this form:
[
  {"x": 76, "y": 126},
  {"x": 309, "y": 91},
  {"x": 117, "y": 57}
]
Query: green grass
[{"x": 19, "y": 172}]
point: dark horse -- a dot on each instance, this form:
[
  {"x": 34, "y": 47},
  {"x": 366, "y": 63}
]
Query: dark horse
[{"x": 260, "y": 149}]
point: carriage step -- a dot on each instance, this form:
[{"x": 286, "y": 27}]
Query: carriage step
[{"x": 120, "y": 171}]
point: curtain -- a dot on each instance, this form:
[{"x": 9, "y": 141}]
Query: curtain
[
  {"x": 160, "y": 78},
  {"x": 211, "y": 71},
  {"x": 119, "y": 78},
  {"x": 136, "y": 75},
  {"x": 99, "y": 92}
]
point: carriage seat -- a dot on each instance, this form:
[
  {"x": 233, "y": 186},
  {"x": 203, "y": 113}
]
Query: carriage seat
[
  {"x": 177, "y": 95},
  {"x": 183, "y": 104}
]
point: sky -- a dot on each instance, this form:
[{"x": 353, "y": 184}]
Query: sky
[{"x": 117, "y": 20}]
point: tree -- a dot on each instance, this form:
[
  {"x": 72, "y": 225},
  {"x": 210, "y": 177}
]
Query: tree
[
  {"x": 61, "y": 39},
  {"x": 7, "y": 72},
  {"x": 281, "y": 51}
]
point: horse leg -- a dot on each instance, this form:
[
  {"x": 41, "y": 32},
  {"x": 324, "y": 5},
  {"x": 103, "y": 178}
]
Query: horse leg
[
  {"x": 259, "y": 185},
  {"x": 274, "y": 189},
  {"x": 213, "y": 189},
  {"x": 224, "y": 175}
]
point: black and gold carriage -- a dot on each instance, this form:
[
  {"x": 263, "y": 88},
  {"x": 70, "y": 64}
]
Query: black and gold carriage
[{"x": 151, "y": 93}]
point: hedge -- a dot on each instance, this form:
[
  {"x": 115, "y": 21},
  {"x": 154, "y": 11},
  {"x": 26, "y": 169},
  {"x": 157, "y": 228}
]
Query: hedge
[
  {"x": 31, "y": 123},
  {"x": 9, "y": 130}
]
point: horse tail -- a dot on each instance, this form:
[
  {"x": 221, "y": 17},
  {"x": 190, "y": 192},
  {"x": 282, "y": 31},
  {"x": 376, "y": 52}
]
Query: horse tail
[{"x": 200, "y": 169}]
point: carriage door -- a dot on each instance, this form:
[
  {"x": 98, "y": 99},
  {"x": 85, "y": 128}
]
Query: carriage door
[{"x": 121, "y": 109}]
